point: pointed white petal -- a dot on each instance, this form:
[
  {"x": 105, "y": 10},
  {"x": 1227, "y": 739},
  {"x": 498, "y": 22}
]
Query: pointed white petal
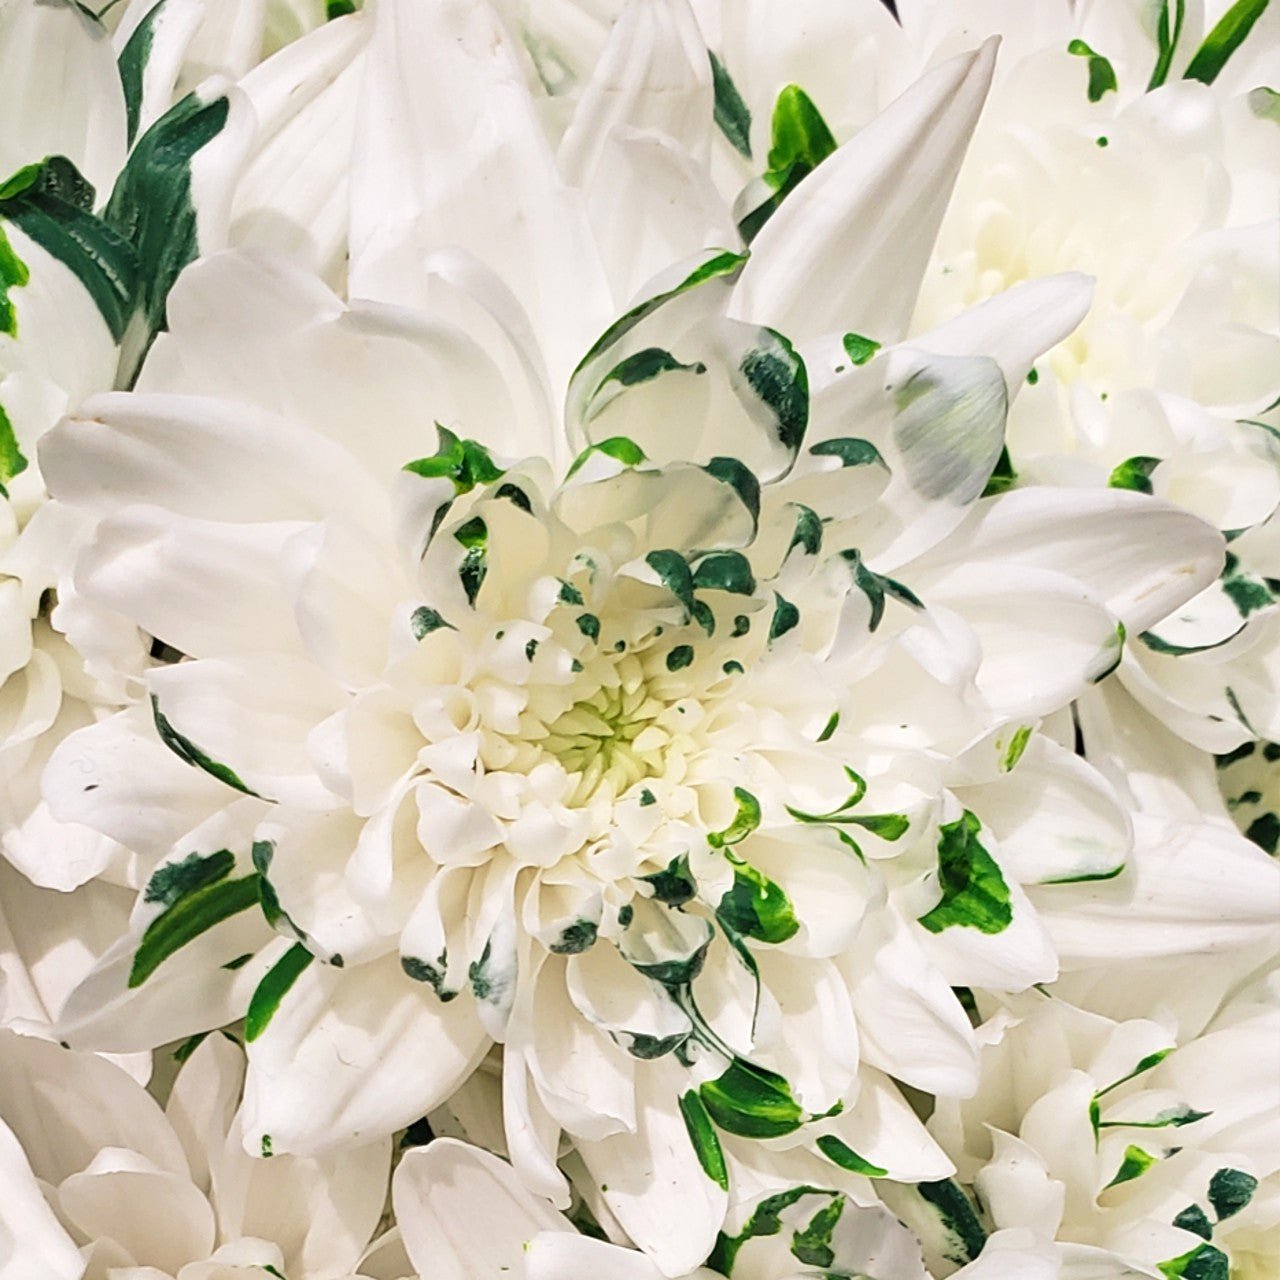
[{"x": 849, "y": 246}]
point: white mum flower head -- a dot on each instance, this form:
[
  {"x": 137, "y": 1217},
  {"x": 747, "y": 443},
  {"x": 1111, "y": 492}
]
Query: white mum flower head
[
  {"x": 1120, "y": 1146},
  {"x": 99, "y": 1179},
  {"x": 620, "y": 735}
]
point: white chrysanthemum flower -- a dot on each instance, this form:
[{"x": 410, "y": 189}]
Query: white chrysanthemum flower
[
  {"x": 1133, "y": 1156},
  {"x": 98, "y": 1180},
  {"x": 83, "y": 280},
  {"x": 626, "y": 742}
]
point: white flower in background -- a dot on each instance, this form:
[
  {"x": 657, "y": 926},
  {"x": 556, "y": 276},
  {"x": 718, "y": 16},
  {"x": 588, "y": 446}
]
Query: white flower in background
[
  {"x": 99, "y": 1181},
  {"x": 117, "y": 172},
  {"x": 659, "y": 741},
  {"x": 1136, "y": 1156}
]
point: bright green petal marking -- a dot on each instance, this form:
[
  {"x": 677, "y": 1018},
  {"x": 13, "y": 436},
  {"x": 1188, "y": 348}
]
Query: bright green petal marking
[
  {"x": 187, "y": 918},
  {"x": 859, "y": 349},
  {"x": 1135, "y": 473},
  {"x": 1204, "y": 1262},
  {"x": 1230, "y": 32},
  {"x": 731, "y": 112},
  {"x": 13, "y": 275},
  {"x": 189, "y": 753},
  {"x": 13, "y": 462},
  {"x": 1135, "y": 1163},
  {"x": 1168, "y": 32},
  {"x": 974, "y": 893},
  {"x": 752, "y": 1102},
  {"x": 1102, "y": 75},
  {"x": 846, "y": 1157},
  {"x": 272, "y": 989},
  {"x": 706, "y": 1143},
  {"x": 1004, "y": 477}
]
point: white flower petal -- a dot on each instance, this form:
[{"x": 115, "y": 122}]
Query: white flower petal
[
  {"x": 352, "y": 1054},
  {"x": 35, "y": 1242},
  {"x": 888, "y": 186},
  {"x": 652, "y": 1179},
  {"x": 464, "y": 1214}
]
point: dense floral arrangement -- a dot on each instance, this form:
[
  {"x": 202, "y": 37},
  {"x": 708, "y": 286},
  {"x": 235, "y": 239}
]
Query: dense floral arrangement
[{"x": 641, "y": 638}]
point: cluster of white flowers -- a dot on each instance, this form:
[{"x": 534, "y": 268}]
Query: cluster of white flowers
[{"x": 640, "y": 640}]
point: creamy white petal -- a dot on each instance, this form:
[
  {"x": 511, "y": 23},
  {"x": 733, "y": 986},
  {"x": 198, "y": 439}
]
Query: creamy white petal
[
  {"x": 868, "y": 216},
  {"x": 464, "y": 1215},
  {"x": 353, "y": 1054}
]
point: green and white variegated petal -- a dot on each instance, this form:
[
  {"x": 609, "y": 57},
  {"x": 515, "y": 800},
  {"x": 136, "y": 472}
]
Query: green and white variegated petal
[
  {"x": 304, "y": 857},
  {"x": 435, "y": 72},
  {"x": 798, "y": 1226},
  {"x": 56, "y": 349},
  {"x": 172, "y": 200},
  {"x": 1189, "y": 888},
  {"x": 886, "y": 1133},
  {"x": 37, "y": 1242},
  {"x": 64, "y": 94},
  {"x": 636, "y": 1012},
  {"x": 250, "y": 717},
  {"x": 938, "y": 423},
  {"x": 821, "y": 264},
  {"x": 151, "y": 45},
  {"x": 1141, "y": 557},
  {"x": 203, "y": 976},
  {"x": 353, "y": 1054},
  {"x": 1055, "y": 816},
  {"x": 294, "y": 194},
  {"x": 652, "y": 1179},
  {"x": 989, "y": 934},
  {"x": 673, "y": 361},
  {"x": 118, "y": 777}
]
